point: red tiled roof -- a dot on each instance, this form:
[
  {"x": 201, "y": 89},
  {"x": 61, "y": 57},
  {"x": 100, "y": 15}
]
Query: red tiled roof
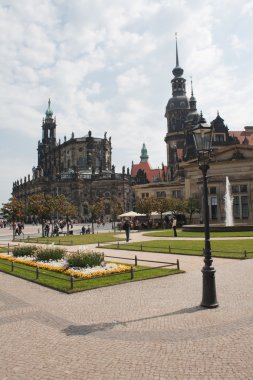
[
  {"x": 152, "y": 174},
  {"x": 241, "y": 135}
]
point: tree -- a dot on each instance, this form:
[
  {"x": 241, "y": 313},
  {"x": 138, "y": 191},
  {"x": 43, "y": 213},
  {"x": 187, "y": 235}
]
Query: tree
[
  {"x": 14, "y": 211},
  {"x": 96, "y": 208},
  {"x": 176, "y": 206},
  {"x": 116, "y": 209},
  {"x": 65, "y": 208},
  {"x": 41, "y": 205},
  {"x": 162, "y": 205},
  {"x": 192, "y": 206},
  {"x": 146, "y": 206}
]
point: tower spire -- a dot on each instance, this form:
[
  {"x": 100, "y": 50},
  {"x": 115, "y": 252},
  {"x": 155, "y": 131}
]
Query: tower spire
[
  {"x": 177, "y": 71},
  {"x": 177, "y": 60},
  {"x": 144, "y": 153}
]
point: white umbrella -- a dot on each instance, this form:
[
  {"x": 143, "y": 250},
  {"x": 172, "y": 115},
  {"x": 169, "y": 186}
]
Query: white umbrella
[{"x": 130, "y": 214}]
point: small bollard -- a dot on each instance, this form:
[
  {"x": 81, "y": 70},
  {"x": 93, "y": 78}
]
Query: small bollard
[
  {"x": 245, "y": 254},
  {"x": 37, "y": 273},
  {"x": 8, "y": 248},
  {"x": 132, "y": 272},
  {"x": 12, "y": 266},
  {"x": 178, "y": 267},
  {"x": 135, "y": 261},
  {"x": 98, "y": 244}
]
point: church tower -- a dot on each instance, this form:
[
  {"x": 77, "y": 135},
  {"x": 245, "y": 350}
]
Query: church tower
[
  {"x": 47, "y": 146},
  {"x": 176, "y": 113}
]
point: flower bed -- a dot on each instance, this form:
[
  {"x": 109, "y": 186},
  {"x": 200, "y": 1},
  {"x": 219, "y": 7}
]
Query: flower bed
[{"x": 62, "y": 266}]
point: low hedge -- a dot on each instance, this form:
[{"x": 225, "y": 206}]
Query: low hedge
[
  {"x": 85, "y": 259},
  {"x": 50, "y": 254},
  {"x": 24, "y": 251}
]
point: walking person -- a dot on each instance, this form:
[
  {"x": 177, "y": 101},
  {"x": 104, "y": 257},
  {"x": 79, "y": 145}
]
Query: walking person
[
  {"x": 126, "y": 227},
  {"x": 174, "y": 226}
]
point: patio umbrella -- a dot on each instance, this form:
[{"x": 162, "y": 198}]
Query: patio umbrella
[{"x": 130, "y": 214}]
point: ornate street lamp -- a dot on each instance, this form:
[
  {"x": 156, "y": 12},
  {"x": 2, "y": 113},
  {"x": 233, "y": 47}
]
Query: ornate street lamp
[{"x": 202, "y": 134}]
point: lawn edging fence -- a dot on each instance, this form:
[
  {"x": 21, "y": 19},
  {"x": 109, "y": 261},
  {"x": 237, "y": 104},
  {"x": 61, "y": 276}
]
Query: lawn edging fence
[
  {"x": 141, "y": 247},
  {"x": 72, "y": 279}
]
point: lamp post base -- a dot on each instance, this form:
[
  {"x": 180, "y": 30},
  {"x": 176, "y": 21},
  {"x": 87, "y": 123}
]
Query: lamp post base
[{"x": 209, "y": 299}]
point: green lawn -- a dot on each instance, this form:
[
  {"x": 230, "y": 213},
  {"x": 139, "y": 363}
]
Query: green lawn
[
  {"x": 102, "y": 237},
  {"x": 180, "y": 233},
  {"x": 227, "y": 248},
  {"x": 62, "y": 282}
]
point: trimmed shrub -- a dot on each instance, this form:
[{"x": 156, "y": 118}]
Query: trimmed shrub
[
  {"x": 85, "y": 259},
  {"x": 50, "y": 254},
  {"x": 24, "y": 251}
]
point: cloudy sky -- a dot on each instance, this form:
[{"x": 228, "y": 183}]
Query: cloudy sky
[{"x": 106, "y": 65}]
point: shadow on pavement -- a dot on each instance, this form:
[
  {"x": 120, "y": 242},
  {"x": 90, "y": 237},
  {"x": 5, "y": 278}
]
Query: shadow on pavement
[{"x": 93, "y": 328}]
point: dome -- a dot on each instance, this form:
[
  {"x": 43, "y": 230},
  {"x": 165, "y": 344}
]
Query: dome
[
  {"x": 49, "y": 112},
  {"x": 178, "y": 102}
]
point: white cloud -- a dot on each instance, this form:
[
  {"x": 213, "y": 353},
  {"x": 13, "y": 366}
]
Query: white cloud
[{"x": 107, "y": 67}]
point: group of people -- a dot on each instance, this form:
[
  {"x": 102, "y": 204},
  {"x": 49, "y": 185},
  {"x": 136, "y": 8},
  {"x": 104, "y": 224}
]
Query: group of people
[
  {"x": 127, "y": 227},
  {"x": 85, "y": 230},
  {"x": 18, "y": 227}
]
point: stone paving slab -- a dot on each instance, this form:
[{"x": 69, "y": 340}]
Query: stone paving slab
[{"x": 144, "y": 330}]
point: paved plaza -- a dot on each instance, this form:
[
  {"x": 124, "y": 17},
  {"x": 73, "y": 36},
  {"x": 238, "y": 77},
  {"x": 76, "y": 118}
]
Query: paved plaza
[{"x": 152, "y": 329}]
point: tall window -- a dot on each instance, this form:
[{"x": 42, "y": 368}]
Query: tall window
[
  {"x": 213, "y": 202},
  {"x": 240, "y": 202},
  {"x": 161, "y": 194}
]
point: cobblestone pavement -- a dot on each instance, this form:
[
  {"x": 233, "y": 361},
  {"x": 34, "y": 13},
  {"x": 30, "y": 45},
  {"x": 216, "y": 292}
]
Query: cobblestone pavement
[{"x": 144, "y": 330}]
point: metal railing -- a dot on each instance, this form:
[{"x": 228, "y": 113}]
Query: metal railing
[
  {"x": 175, "y": 250},
  {"x": 73, "y": 280}
]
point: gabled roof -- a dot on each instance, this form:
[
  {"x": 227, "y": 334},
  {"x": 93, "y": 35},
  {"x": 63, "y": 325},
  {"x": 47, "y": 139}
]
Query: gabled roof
[
  {"x": 244, "y": 137},
  {"x": 152, "y": 174}
]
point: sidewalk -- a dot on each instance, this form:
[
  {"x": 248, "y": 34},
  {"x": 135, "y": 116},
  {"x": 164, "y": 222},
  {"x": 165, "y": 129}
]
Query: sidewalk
[{"x": 146, "y": 330}]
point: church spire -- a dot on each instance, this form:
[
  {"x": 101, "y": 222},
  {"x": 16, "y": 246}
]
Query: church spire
[
  {"x": 49, "y": 112},
  {"x": 144, "y": 154},
  {"x": 177, "y": 71},
  {"x": 192, "y": 99}
]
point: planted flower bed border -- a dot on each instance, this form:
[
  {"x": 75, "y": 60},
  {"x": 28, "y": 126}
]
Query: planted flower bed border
[{"x": 35, "y": 273}]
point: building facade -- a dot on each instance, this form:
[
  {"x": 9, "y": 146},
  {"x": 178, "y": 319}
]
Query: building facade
[
  {"x": 232, "y": 157},
  {"x": 79, "y": 168}
]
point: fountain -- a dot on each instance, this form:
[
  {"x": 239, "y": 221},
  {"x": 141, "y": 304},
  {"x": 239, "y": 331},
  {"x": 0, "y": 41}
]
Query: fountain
[{"x": 229, "y": 221}]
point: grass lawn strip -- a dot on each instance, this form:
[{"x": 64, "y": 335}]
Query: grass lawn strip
[
  {"x": 62, "y": 282},
  {"x": 233, "y": 249},
  {"x": 180, "y": 233},
  {"x": 102, "y": 237}
]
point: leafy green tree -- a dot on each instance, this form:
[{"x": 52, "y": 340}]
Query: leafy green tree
[
  {"x": 42, "y": 205},
  {"x": 14, "y": 211},
  {"x": 96, "y": 208},
  {"x": 176, "y": 206},
  {"x": 65, "y": 208},
  {"x": 162, "y": 205},
  {"x": 192, "y": 206},
  {"x": 146, "y": 206},
  {"x": 116, "y": 209}
]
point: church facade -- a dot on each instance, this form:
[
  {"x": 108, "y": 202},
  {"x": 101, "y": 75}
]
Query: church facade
[{"x": 79, "y": 168}]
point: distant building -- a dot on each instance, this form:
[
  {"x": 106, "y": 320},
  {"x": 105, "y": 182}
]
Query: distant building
[
  {"x": 232, "y": 156},
  {"x": 80, "y": 168},
  {"x": 143, "y": 173}
]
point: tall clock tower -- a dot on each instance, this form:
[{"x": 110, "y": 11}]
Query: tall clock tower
[{"x": 176, "y": 113}]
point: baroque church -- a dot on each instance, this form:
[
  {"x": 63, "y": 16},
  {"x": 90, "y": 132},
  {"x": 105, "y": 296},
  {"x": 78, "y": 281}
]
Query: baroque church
[{"x": 79, "y": 168}]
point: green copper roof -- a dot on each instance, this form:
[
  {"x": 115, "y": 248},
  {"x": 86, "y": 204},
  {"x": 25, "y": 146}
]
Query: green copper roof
[
  {"x": 49, "y": 112},
  {"x": 144, "y": 153}
]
